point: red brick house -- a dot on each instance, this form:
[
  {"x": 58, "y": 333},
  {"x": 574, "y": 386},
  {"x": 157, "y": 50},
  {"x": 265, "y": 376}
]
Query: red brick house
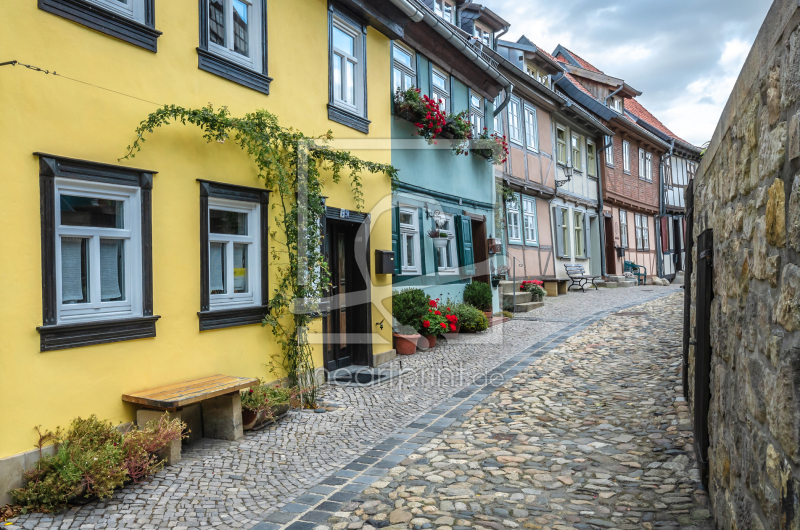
[{"x": 630, "y": 168}]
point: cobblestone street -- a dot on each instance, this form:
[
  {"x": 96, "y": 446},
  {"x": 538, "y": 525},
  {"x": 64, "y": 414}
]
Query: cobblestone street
[{"x": 587, "y": 432}]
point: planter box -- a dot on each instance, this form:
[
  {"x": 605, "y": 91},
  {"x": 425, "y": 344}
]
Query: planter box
[
  {"x": 406, "y": 344},
  {"x": 254, "y": 421}
]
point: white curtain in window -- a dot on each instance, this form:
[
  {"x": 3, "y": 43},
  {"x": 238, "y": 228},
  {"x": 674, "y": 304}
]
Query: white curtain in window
[
  {"x": 216, "y": 283},
  {"x": 109, "y": 269},
  {"x": 71, "y": 288},
  {"x": 239, "y": 275}
]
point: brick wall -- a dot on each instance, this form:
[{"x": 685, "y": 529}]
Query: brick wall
[{"x": 629, "y": 185}]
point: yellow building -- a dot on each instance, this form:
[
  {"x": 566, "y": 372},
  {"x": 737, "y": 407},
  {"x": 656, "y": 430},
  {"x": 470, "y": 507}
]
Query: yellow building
[{"x": 101, "y": 263}]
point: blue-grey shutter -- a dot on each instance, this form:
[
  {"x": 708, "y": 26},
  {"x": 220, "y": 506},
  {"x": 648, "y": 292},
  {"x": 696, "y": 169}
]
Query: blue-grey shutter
[
  {"x": 396, "y": 247},
  {"x": 559, "y": 216},
  {"x": 586, "y": 237},
  {"x": 466, "y": 253},
  {"x": 422, "y": 240}
]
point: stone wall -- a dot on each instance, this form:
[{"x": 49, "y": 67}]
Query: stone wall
[{"x": 748, "y": 191}]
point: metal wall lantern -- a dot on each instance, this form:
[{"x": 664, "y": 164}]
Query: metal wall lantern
[{"x": 568, "y": 171}]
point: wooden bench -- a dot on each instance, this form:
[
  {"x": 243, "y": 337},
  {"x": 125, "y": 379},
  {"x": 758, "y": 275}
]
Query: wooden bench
[
  {"x": 221, "y": 407},
  {"x": 579, "y": 277}
]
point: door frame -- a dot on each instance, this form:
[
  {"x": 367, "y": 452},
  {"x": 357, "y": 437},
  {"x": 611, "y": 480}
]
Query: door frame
[{"x": 362, "y": 223}]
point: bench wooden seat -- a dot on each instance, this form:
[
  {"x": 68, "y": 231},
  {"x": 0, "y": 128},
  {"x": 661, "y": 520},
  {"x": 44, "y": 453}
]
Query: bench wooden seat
[
  {"x": 579, "y": 278},
  {"x": 553, "y": 286},
  {"x": 213, "y": 407}
]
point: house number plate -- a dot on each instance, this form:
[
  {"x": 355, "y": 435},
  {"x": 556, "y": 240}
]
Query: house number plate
[{"x": 344, "y": 214}]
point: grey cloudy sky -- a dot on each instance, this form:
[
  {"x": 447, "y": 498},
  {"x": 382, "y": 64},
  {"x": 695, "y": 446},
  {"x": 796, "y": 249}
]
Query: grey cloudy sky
[{"x": 684, "y": 55}]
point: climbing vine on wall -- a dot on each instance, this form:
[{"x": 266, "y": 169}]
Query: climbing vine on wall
[{"x": 291, "y": 165}]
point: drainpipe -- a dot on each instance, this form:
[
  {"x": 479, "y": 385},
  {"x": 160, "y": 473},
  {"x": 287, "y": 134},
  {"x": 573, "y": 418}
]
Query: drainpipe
[
  {"x": 614, "y": 93},
  {"x": 506, "y": 100},
  {"x": 496, "y": 37},
  {"x": 602, "y": 223},
  {"x": 662, "y": 198}
]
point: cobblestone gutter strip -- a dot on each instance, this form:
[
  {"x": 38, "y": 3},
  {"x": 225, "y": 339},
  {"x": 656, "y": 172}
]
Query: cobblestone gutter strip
[{"x": 414, "y": 479}]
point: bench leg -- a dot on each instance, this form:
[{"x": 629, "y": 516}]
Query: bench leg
[
  {"x": 222, "y": 417},
  {"x": 172, "y": 454}
]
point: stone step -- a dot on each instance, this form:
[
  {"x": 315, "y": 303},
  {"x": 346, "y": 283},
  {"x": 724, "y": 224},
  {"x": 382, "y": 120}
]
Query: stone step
[
  {"x": 529, "y": 306},
  {"x": 508, "y": 286},
  {"x": 629, "y": 283},
  {"x": 599, "y": 283},
  {"x": 522, "y": 297},
  {"x": 610, "y": 285},
  {"x": 617, "y": 278}
]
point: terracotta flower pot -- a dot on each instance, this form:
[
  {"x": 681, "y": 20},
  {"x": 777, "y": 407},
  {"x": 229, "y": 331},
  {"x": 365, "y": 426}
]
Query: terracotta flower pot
[
  {"x": 488, "y": 314},
  {"x": 450, "y": 335},
  {"x": 431, "y": 340},
  {"x": 405, "y": 344},
  {"x": 249, "y": 419}
]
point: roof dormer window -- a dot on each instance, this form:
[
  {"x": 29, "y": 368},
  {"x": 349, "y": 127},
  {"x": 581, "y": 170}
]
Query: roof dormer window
[
  {"x": 483, "y": 34},
  {"x": 539, "y": 75},
  {"x": 615, "y": 104},
  {"x": 445, "y": 9}
]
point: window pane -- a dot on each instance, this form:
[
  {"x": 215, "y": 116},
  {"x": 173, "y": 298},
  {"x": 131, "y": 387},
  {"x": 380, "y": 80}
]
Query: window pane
[
  {"x": 343, "y": 41},
  {"x": 112, "y": 270},
  {"x": 217, "y": 276},
  {"x": 337, "y": 76},
  {"x": 449, "y": 254},
  {"x": 350, "y": 84},
  {"x": 88, "y": 211},
  {"x": 406, "y": 218},
  {"x": 475, "y": 101},
  {"x": 439, "y": 81},
  {"x": 448, "y": 13},
  {"x": 240, "y": 268},
  {"x": 409, "y": 250},
  {"x": 240, "y": 28},
  {"x": 223, "y": 222},
  {"x": 409, "y": 82},
  {"x": 216, "y": 22},
  {"x": 402, "y": 57},
  {"x": 74, "y": 270}
]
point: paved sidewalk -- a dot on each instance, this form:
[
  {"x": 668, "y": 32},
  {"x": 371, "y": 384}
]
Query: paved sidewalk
[{"x": 254, "y": 482}]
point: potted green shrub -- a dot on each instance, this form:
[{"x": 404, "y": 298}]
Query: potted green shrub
[
  {"x": 264, "y": 403},
  {"x": 479, "y": 296},
  {"x": 535, "y": 288},
  {"x": 472, "y": 320},
  {"x": 408, "y": 308}
]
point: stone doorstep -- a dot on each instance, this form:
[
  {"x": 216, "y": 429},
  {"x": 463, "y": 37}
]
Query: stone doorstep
[
  {"x": 529, "y": 306},
  {"x": 521, "y": 297}
]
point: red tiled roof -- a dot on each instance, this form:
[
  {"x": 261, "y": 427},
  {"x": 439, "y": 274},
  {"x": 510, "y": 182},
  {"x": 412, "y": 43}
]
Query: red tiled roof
[
  {"x": 636, "y": 108},
  {"x": 586, "y": 65},
  {"x": 575, "y": 81}
]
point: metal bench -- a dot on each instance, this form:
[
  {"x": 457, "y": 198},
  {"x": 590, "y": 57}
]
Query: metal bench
[
  {"x": 641, "y": 277},
  {"x": 221, "y": 406},
  {"x": 579, "y": 277}
]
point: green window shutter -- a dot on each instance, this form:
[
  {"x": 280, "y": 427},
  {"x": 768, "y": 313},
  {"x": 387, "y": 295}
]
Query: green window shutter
[
  {"x": 396, "y": 247},
  {"x": 466, "y": 253},
  {"x": 422, "y": 239},
  {"x": 587, "y": 248},
  {"x": 559, "y": 232}
]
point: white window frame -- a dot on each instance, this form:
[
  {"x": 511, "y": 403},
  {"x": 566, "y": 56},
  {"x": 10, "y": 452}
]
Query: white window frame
[
  {"x": 254, "y": 60},
  {"x": 403, "y": 70},
  {"x": 565, "y": 215},
  {"x": 476, "y": 114},
  {"x": 451, "y": 236},
  {"x": 561, "y": 147},
  {"x": 483, "y": 34},
  {"x": 642, "y": 174},
  {"x": 615, "y": 104},
  {"x": 498, "y": 117},
  {"x": 358, "y": 60},
  {"x": 638, "y": 230},
  {"x": 514, "y": 117},
  {"x": 577, "y": 229},
  {"x": 531, "y": 128},
  {"x": 575, "y": 138},
  {"x": 530, "y": 230},
  {"x": 645, "y": 232},
  {"x": 134, "y": 10},
  {"x": 439, "y": 8},
  {"x": 95, "y": 309},
  {"x": 591, "y": 161},
  {"x": 626, "y": 156},
  {"x": 441, "y": 94},
  {"x": 609, "y": 151},
  {"x": 623, "y": 228},
  {"x": 253, "y": 295},
  {"x": 513, "y": 221},
  {"x": 648, "y": 174},
  {"x": 410, "y": 231}
]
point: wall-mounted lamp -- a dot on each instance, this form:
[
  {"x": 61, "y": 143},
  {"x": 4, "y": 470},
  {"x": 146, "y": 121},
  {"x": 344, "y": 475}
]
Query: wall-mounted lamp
[{"x": 568, "y": 171}]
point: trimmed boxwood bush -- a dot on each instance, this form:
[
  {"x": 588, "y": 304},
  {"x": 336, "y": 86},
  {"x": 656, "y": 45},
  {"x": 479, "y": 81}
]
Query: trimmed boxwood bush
[
  {"x": 408, "y": 308},
  {"x": 479, "y": 295},
  {"x": 471, "y": 318}
]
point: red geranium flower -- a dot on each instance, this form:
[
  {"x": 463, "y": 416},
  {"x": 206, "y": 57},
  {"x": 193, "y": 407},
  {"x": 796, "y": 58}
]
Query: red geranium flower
[
  {"x": 426, "y": 323},
  {"x": 443, "y": 325},
  {"x": 452, "y": 327},
  {"x": 437, "y": 312},
  {"x": 432, "y": 303}
]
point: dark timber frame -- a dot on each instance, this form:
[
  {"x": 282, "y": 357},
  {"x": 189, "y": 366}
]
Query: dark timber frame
[
  {"x": 55, "y": 336},
  {"x": 99, "y": 19},
  {"x": 338, "y": 114},
  {"x": 240, "y": 316},
  {"x": 213, "y": 63},
  {"x": 687, "y": 287},
  {"x": 702, "y": 349}
]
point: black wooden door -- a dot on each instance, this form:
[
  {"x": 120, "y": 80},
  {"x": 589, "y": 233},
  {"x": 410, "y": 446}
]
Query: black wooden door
[
  {"x": 339, "y": 250},
  {"x": 702, "y": 348}
]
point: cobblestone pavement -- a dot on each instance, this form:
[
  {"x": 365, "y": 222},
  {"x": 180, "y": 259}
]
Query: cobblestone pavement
[
  {"x": 592, "y": 434},
  {"x": 274, "y": 476}
]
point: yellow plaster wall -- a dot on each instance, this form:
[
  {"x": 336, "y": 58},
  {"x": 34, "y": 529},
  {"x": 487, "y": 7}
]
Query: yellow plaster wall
[{"x": 55, "y": 115}]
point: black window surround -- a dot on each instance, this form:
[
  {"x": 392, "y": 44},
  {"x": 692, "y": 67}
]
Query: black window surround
[
  {"x": 95, "y": 17},
  {"x": 217, "y": 65},
  {"x": 55, "y": 336},
  {"x": 338, "y": 114},
  {"x": 239, "y": 316}
]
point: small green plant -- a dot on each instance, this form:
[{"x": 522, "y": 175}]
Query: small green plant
[
  {"x": 507, "y": 314},
  {"x": 479, "y": 295},
  {"x": 408, "y": 308},
  {"x": 471, "y": 319},
  {"x": 263, "y": 397}
]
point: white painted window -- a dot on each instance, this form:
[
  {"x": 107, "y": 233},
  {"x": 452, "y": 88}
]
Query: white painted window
[
  {"x": 529, "y": 220},
  {"x": 445, "y": 9},
  {"x": 409, "y": 240},
  {"x": 483, "y": 34},
  {"x": 615, "y": 103},
  {"x": 531, "y": 129},
  {"x": 539, "y": 75},
  {"x": 512, "y": 220},
  {"x": 648, "y": 173},
  {"x": 577, "y": 223},
  {"x": 234, "y": 31},
  {"x": 347, "y": 66},
  {"x": 561, "y": 145},
  {"x": 577, "y": 153},
  {"x": 514, "y": 129},
  {"x": 498, "y": 117},
  {"x": 591, "y": 159},
  {"x": 404, "y": 72},
  {"x": 623, "y": 228},
  {"x": 447, "y": 257},
  {"x": 233, "y": 253},
  {"x": 641, "y": 164},
  {"x": 626, "y": 157},
  {"x": 565, "y": 230},
  {"x": 132, "y": 9},
  {"x": 476, "y": 114},
  {"x": 643, "y": 220},
  {"x": 440, "y": 87},
  {"x": 609, "y": 151},
  {"x": 639, "y": 236},
  {"x": 98, "y": 251}
]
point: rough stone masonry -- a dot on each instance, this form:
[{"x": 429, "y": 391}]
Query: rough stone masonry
[{"x": 748, "y": 193}]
